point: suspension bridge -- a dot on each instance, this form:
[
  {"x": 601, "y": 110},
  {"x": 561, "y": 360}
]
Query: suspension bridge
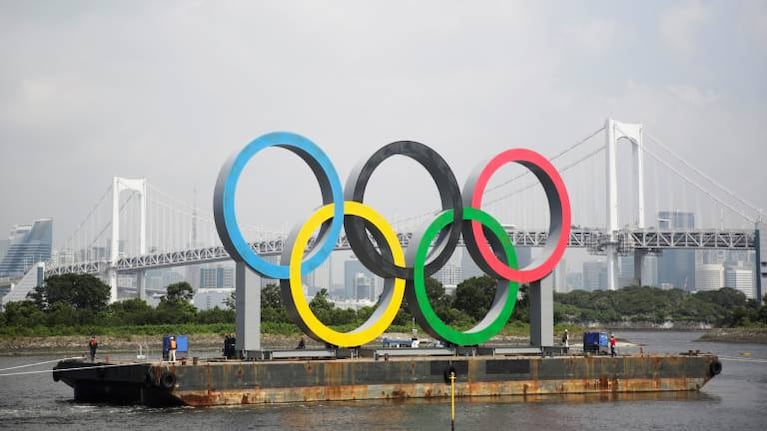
[{"x": 618, "y": 210}]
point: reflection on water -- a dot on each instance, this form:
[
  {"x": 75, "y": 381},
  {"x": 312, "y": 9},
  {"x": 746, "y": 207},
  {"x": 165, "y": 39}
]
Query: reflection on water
[{"x": 733, "y": 400}]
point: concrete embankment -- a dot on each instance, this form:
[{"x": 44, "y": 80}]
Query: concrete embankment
[{"x": 736, "y": 335}]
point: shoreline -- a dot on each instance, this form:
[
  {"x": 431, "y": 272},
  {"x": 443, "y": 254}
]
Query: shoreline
[
  {"x": 77, "y": 345},
  {"x": 735, "y": 336},
  {"x": 123, "y": 344}
]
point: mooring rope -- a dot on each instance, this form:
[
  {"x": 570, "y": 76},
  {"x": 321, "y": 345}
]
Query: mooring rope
[
  {"x": 23, "y": 373},
  {"x": 39, "y": 363},
  {"x": 729, "y": 358}
]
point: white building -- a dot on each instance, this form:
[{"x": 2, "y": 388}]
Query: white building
[
  {"x": 740, "y": 278},
  {"x": 207, "y": 299},
  {"x": 709, "y": 277},
  {"x": 450, "y": 274}
]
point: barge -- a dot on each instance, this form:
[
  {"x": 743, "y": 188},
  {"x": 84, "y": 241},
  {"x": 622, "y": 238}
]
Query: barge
[{"x": 233, "y": 382}]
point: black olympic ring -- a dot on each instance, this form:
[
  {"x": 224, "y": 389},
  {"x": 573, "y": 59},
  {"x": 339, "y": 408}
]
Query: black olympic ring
[{"x": 450, "y": 195}]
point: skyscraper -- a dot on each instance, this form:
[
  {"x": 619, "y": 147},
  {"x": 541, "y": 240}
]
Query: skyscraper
[
  {"x": 4, "y": 243},
  {"x": 27, "y": 245},
  {"x": 353, "y": 267},
  {"x": 677, "y": 267},
  {"x": 217, "y": 277}
]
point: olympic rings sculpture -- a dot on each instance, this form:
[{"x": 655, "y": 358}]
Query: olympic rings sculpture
[{"x": 403, "y": 271}]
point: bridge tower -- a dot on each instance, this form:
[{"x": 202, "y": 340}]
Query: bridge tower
[
  {"x": 119, "y": 185},
  {"x": 615, "y": 131}
]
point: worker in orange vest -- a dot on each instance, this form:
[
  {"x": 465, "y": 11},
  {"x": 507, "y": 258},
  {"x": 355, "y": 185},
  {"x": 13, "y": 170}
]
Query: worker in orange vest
[
  {"x": 172, "y": 349},
  {"x": 93, "y": 345}
]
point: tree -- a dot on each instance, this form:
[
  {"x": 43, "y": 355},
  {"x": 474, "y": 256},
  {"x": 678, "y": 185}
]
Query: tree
[
  {"x": 475, "y": 295},
  {"x": 230, "y": 302},
  {"x": 181, "y": 291},
  {"x": 23, "y": 314},
  {"x": 174, "y": 307},
  {"x": 132, "y": 312},
  {"x": 80, "y": 291}
]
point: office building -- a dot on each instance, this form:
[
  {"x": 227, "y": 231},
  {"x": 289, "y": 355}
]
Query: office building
[
  {"x": 594, "y": 275},
  {"x": 27, "y": 245},
  {"x": 677, "y": 267},
  {"x": 450, "y": 274},
  {"x": 740, "y": 278},
  {"x": 352, "y": 268},
  {"x": 709, "y": 276},
  {"x": 319, "y": 279},
  {"x": 207, "y": 299},
  {"x": 4, "y": 243},
  {"x": 217, "y": 277},
  {"x": 574, "y": 281},
  {"x": 363, "y": 288}
]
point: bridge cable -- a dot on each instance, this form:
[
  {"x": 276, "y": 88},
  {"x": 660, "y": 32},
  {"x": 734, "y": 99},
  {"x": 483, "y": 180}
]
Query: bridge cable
[
  {"x": 555, "y": 157},
  {"x": 702, "y": 174},
  {"x": 690, "y": 181}
]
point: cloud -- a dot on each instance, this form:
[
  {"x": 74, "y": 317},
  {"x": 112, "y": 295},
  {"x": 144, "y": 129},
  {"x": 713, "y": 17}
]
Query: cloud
[
  {"x": 168, "y": 90},
  {"x": 593, "y": 35},
  {"x": 692, "y": 95},
  {"x": 680, "y": 25}
]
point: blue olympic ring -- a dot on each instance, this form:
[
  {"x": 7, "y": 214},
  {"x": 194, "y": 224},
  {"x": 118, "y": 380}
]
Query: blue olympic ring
[{"x": 223, "y": 202}]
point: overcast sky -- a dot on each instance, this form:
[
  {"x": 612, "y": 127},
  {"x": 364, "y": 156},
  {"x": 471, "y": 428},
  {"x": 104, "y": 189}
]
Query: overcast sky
[{"x": 167, "y": 90}]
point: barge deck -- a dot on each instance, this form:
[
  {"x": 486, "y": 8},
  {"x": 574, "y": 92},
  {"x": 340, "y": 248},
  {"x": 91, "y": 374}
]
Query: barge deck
[{"x": 232, "y": 382}]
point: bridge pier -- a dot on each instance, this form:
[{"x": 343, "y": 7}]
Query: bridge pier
[
  {"x": 541, "y": 295},
  {"x": 141, "y": 284},
  {"x": 247, "y": 288},
  {"x": 112, "y": 276},
  {"x": 639, "y": 258}
]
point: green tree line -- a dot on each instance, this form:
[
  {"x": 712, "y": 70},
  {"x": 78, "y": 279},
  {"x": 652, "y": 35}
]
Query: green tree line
[
  {"x": 725, "y": 307},
  {"x": 77, "y": 303}
]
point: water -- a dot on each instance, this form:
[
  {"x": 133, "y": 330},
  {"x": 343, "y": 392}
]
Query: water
[{"x": 736, "y": 399}]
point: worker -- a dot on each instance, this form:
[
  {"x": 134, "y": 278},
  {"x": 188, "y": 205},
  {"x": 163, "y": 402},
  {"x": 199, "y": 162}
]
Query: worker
[
  {"x": 612, "y": 344},
  {"x": 301, "y": 344},
  {"x": 566, "y": 339},
  {"x": 172, "y": 349},
  {"x": 93, "y": 344}
]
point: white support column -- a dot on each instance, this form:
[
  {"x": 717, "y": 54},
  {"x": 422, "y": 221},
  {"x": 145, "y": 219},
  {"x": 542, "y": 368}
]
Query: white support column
[
  {"x": 141, "y": 284},
  {"x": 247, "y": 286},
  {"x": 115, "y": 243},
  {"x": 142, "y": 225},
  {"x": 611, "y": 179},
  {"x": 541, "y": 296},
  {"x": 612, "y": 204},
  {"x": 639, "y": 177}
]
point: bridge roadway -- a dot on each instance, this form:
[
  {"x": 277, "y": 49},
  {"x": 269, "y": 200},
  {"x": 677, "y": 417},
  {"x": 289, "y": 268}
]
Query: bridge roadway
[{"x": 593, "y": 240}]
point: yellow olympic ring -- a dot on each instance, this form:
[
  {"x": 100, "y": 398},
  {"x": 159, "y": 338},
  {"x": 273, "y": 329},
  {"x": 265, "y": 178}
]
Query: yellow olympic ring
[{"x": 391, "y": 298}]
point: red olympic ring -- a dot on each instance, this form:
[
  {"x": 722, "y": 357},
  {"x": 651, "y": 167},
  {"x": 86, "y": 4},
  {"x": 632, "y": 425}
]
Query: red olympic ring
[{"x": 559, "y": 207}]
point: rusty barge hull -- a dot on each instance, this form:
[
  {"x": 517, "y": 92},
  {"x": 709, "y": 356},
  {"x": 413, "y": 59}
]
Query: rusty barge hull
[{"x": 247, "y": 382}]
